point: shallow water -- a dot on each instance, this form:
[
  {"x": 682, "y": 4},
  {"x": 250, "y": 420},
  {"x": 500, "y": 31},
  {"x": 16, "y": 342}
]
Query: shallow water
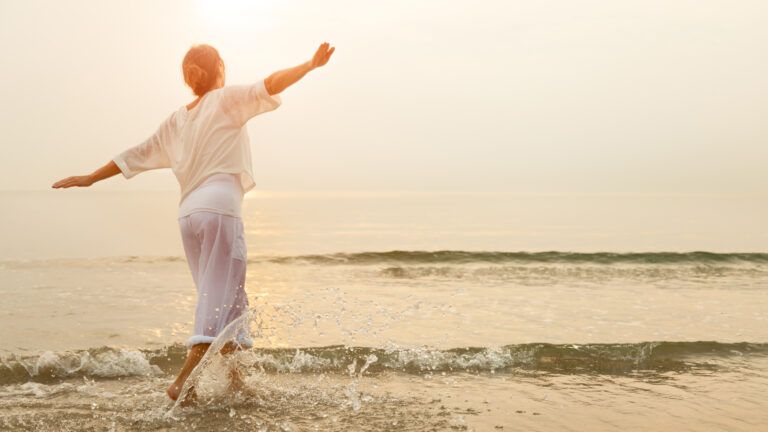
[{"x": 441, "y": 337}]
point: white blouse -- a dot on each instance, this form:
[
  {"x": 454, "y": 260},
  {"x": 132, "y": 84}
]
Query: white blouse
[{"x": 208, "y": 139}]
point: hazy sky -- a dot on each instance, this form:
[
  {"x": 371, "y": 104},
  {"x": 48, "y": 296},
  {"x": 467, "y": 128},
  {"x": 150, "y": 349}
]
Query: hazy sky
[{"x": 647, "y": 96}]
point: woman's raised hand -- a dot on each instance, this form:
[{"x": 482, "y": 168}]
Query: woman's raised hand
[
  {"x": 282, "y": 79},
  {"x": 322, "y": 55},
  {"x": 81, "y": 181}
]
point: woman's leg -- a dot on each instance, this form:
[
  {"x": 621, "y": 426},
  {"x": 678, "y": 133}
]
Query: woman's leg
[
  {"x": 193, "y": 358},
  {"x": 215, "y": 249},
  {"x": 194, "y": 355},
  {"x": 191, "y": 240}
]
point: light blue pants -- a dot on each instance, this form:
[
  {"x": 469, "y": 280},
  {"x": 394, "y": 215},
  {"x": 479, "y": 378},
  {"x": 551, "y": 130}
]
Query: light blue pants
[{"x": 216, "y": 253}]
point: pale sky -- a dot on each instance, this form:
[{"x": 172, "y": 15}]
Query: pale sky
[{"x": 557, "y": 96}]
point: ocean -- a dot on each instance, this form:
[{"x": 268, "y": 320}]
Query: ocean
[{"x": 394, "y": 311}]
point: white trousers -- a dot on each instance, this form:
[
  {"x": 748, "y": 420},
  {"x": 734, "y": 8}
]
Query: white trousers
[{"x": 216, "y": 253}]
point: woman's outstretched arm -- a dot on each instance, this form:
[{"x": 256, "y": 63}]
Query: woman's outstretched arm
[
  {"x": 107, "y": 171},
  {"x": 280, "y": 80}
]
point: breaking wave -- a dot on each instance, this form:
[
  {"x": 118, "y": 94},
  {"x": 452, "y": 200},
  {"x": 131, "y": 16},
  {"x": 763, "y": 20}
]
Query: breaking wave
[{"x": 110, "y": 363}]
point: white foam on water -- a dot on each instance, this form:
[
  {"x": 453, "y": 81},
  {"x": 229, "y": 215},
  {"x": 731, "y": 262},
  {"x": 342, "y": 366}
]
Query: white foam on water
[{"x": 104, "y": 363}]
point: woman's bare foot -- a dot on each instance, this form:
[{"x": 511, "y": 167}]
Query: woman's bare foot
[
  {"x": 173, "y": 391},
  {"x": 193, "y": 358}
]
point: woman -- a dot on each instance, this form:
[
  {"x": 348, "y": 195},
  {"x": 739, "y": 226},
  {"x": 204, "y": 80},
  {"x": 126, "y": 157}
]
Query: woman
[{"x": 206, "y": 145}]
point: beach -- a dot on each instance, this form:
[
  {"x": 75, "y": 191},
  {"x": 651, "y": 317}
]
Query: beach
[{"x": 477, "y": 216}]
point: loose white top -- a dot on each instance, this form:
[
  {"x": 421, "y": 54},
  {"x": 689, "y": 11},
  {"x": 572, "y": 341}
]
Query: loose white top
[{"x": 208, "y": 139}]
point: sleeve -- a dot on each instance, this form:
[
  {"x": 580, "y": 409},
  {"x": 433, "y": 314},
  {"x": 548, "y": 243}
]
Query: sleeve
[
  {"x": 243, "y": 102},
  {"x": 150, "y": 154}
]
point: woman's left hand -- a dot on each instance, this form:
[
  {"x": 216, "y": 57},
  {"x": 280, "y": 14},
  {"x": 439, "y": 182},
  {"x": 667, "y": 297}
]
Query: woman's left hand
[
  {"x": 322, "y": 55},
  {"x": 80, "y": 181}
]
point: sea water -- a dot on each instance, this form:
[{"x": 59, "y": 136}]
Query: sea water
[{"x": 393, "y": 311}]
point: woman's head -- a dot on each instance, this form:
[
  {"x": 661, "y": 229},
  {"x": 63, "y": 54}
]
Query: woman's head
[{"x": 203, "y": 69}]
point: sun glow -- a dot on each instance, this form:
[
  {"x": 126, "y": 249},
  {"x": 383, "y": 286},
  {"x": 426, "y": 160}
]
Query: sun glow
[{"x": 237, "y": 15}]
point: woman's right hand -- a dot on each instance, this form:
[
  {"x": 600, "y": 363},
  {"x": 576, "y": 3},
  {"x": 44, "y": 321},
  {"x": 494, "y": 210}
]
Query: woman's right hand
[
  {"x": 80, "y": 181},
  {"x": 322, "y": 55},
  {"x": 107, "y": 171}
]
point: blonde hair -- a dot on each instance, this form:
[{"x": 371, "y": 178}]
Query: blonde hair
[{"x": 201, "y": 68}]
